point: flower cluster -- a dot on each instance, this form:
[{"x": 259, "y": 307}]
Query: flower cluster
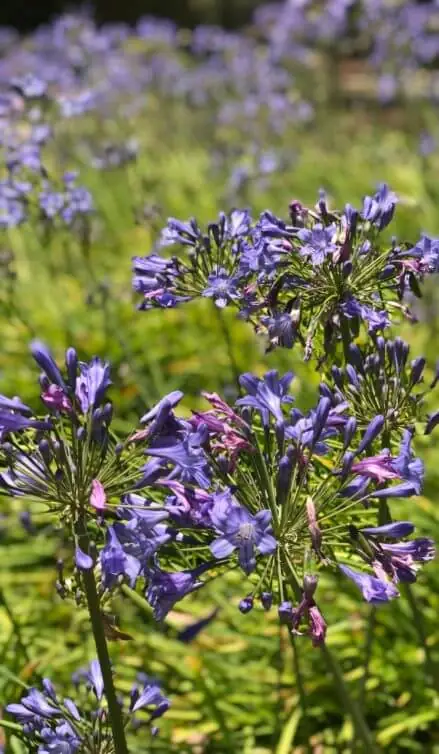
[
  {"x": 259, "y": 486},
  {"x": 313, "y": 279},
  {"x": 278, "y": 493},
  {"x": 53, "y": 724}
]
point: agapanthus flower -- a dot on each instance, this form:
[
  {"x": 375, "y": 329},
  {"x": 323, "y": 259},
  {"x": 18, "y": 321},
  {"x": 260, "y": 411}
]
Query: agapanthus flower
[
  {"x": 314, "y": 279},
  {"x": 52, "y": 724},
  {"x": 275, "y": 508}
]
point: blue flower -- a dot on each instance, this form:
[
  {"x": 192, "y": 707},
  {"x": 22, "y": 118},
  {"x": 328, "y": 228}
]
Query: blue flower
[
  {"x": 45, "y": 360},
  {"x": 318, "y": 242},
  {"x": 221, "y": 287},
  {"x": 267, "y": 394},
  {"x": 166, "y": 589},
  {"x": 93, "y": 381},
  {"x": 380, "y": 208},
  {"x": 189, "y": 461},
  {"x": 115, "y": 562},
  {"x": 241, "y": 531},
  {"x": 282, "y": 328},
  {"x": 374, "y": 590},
  {"x": 149, "y": 696},
  {"x": 186, "y": 234}
]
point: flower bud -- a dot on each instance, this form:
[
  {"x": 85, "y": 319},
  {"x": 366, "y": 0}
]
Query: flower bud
[{"x": 246, "y": 604}]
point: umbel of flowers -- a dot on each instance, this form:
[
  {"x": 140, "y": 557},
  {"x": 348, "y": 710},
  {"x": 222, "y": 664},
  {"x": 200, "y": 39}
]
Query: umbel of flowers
[
  {"x": 55, "y": 724},
  {"x": 312, "y": 278},
  {"x": 258, "y": 486}
]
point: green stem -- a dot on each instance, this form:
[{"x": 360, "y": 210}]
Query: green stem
[
  {"x": 298, "y": 673},
  {"x": 229, "y": 345},
  {"x": 114, "y": 708},
  {"x": 351, "y": 706},
  {"x": 346, "y": 338}
]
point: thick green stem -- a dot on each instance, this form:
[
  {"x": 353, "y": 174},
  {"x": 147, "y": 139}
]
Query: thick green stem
[{"x": 114, "y": 708}]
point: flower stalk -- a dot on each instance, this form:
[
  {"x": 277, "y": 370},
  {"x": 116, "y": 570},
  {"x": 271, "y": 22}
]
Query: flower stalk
[{"x": 91, "y": 594}]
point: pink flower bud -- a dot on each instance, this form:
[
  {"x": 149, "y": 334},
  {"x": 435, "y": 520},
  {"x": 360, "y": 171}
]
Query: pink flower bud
[{"x": 98, "y": 497}]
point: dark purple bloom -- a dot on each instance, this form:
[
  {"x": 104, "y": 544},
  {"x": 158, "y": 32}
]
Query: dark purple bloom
[
  {"x": 433, "y": 421},
  {"x": 93, "y": 381},
  {"x": 375, "y": 319},
  {"x": 189, "y": 633},
  {"x": 267, "y": 394},
  {"x": 374, "y": 590},
  {"x": 170, "y": 400},
  {"x": 317, "y": 625},
  {"x": 318, "y": 242},
  {"x": 246, "y": 604},
  {"x": 242, "y": 531},
  {"x": 285, "y": 611},
  {"x": 55, "y": 398},
  {"x": 165, "y": 589}
]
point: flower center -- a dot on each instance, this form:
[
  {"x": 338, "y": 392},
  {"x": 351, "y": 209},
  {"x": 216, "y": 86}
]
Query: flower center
[{"x": 245, "y": 532}]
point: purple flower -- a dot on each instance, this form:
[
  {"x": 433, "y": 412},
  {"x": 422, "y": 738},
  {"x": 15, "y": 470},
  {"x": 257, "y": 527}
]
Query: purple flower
[
  {"x": 165, "y": 589},
  {"x": 375, "y": 319},
  {"x": 374, "y": 590},
  {"x": 317, "y": 626},
  {"x": 282, "y": 328},
  {"x": 95, "y": 679},
  {"x": 221, "y": 287},
  {"x": 380, "y": 208},
  {"x": 150, "y": 695},
  {"x": 45, "y": 360},
  {"x": 93, "y": 381},
  {"x": 318, "y": 242},
  {"x": 394, "y": 530},
  {"x": 83, "y": 561},
  {"x": 55, "y": 398},
  {"x": 35, "y": 703},
  {"x": 189, "y": 461},
  {"x": 191, "y": 632},
  {"x": 242, "y": 531},
  {"x": 186, "y": 234},
  {"x": 400, "y": 559},
  {"x": 115, "y": 562},
  {"x": 267, "y": 394}
]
